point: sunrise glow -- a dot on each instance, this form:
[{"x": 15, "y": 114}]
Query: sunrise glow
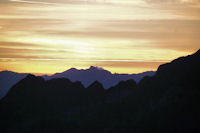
[{"x": 122, "y": 36}]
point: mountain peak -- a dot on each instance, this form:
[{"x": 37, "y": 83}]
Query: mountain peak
[
  {"x": 33, "y": 77},
  {"x": 71, "y": 70},
  {"x": 96, "y": 84},
  {"x": 127, "y": 84},
  {"x": 95, "y": 68},
  {"x": 30, "y": 76},
  {"x": 91, "y": 68}
]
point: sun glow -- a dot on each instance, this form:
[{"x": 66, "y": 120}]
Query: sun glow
[{"x": 121, "y": 36}]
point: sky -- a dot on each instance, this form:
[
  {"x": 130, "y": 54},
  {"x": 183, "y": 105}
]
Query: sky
[{"x": 122, "y": 36}]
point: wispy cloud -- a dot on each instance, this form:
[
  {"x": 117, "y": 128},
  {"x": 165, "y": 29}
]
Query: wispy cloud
[
  {"x": 32, "y": 2},
  {"x": 81, "y": 33}
]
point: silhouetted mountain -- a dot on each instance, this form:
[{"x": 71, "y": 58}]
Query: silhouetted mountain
[
  {"x": 96, "y": 88},
  {"x": 170, "y": 98},
  {"x": 34, "y": 90},
  {"x": 166, "y": 102},
  {"x": 7, "y": 80},
  {"x": 95, "y": 94},
  {"x": 88, "y": 76},
  {"x": 121, "y": 90}
]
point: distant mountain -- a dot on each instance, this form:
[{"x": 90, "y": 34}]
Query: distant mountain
[
  {"x": 7, "y": 80},
  {"x": 85, "y": 76},
  {"x": 88, "y": 76}
]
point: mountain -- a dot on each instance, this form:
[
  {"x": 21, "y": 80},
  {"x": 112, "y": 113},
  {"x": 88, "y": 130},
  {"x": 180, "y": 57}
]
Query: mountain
[
  {"x": 166, "y": 102},
  {"x": 95, "y": 93},
  {"x": 121, "y": 90},
  {"x": 37, "y": 89},
  {"x": 88, "y": 76},
  {"x": 169, "y": 99},
  {"x": 33, "y": 99},
  {"x": 7, "y": 80}
]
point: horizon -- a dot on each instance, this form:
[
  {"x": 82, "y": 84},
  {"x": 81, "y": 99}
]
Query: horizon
[
  {"x": 52, "y": 36},
  {"x": 87, "y": 68},
  {"x": 44, "y": 74}
]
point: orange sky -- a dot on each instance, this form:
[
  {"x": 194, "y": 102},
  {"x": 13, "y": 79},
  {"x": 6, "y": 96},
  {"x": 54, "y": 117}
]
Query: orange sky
[{"x": 122, "y": 36}]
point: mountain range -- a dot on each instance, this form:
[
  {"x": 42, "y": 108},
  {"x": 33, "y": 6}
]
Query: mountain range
[
  {"x": 166, "y": 102},
  {"x": 85, "y": 76},
  {"x": 88, "y": 76}
]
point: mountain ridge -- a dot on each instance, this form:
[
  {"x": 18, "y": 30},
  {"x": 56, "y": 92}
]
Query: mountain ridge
[{"x": 86, "y": 76}]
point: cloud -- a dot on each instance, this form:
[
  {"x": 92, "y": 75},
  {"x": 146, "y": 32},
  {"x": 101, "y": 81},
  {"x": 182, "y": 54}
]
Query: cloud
[
  {"x": 116, "y": 2},
  {"x": 52, "y": 2},
  {"x": 35, "y": 1},
  {"x": 172, "y": 1},
  {"x": 92, "y": 32},
  {"x": 32, "y": 2},
  {"x": 4, "y": 1}
]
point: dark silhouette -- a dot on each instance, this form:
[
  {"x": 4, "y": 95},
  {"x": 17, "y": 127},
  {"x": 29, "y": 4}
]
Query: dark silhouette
[
  {"x": 121, "y": 90},
  {"x": 166, "y": 102}
]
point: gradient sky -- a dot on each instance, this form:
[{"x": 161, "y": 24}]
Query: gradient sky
[{"x": 122, "y": 36}]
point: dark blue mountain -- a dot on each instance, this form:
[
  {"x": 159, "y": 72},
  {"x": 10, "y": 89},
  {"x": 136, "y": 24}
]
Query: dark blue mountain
[
  {"x": 85, "y": 76},
  {"x": 7, "y": 80},
  {"x": 88, "y": 76}
]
